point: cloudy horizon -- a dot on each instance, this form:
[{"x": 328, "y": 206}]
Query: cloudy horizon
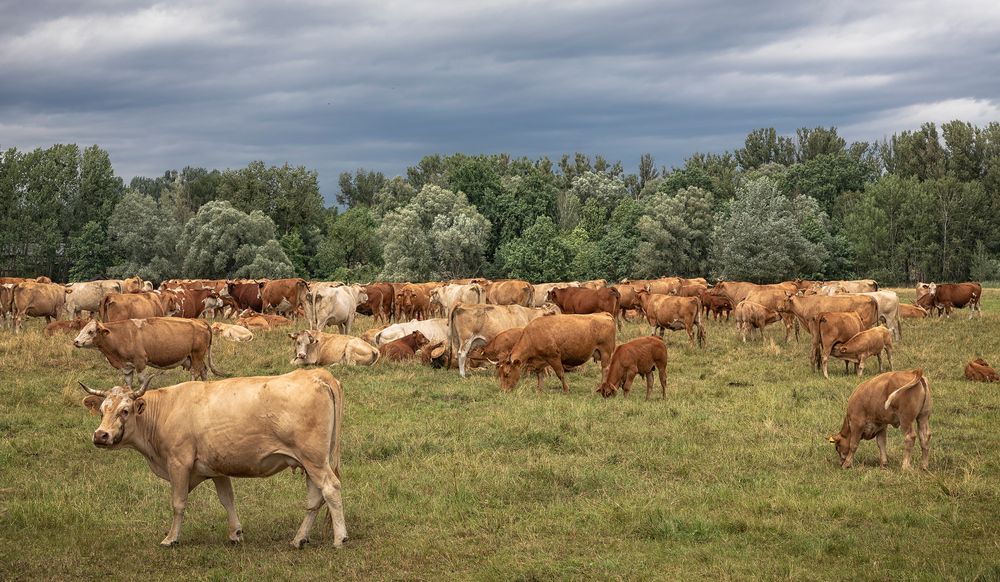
[{"x": 336, "y": 86}]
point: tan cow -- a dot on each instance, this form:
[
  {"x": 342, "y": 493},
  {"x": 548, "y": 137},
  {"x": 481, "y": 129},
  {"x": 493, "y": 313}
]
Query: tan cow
[
  {"x": 510, "y": 292},
  {"x": 893, "y": 398},
  {"x": 434, "y": 330},
  {"x": 315, "y": 348},
  {"x": 663, "y": 286},
  {"x": 445, "y": 298},
  {"x": 642, "y": 355},
  {"x": 471, "y": 325},
  {"x": 558, "y": 341},
  {"x": 675, "y": 313},
  {"x": 833, "y": 328},
  {"x": 195, "y": 431},
  {"x": 865, "y": 344},
  {"x": 751, "y": 316},
  {"x": 855, "y": 286},
  {"x": 772, "y": 297},
  {"x": 70, "y": 326},
  {"x": 254, "y": 322},
  {"x": 38, "y": 300},
  {"x": 132, "y": 285},
  {"x": 911, "y": 311},
  {"x": 979, "y": 371},
  {"x": 807, "y": 308},
  {"x": 158, "y": 342},
  {"x": 283, "y": 296},
  {"x": 6, "y": 304},
  {"x": 233, "y": 333},
  {"x": 139, "y": 305}
]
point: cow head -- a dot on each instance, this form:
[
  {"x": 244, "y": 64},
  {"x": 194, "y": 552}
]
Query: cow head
[
  {"x": 605, "y": 389},
  {"x": 303, "y": 340},
  {"x": 841, "y": 444},
  {"x": 115, "y": 407},
  {"x": 88, "y": 335},
  {"x": 419, "y": 340},
  {"x": 509, "y": 372}
]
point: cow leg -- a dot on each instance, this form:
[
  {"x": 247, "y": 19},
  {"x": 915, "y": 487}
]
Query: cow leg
[
  {"x": 179, "y": 488},
  {"x": 561, "y": 374},
  {"x": 924, "y": 424},
  {"x": 824, "y": 362},
  {"x": 888, "y": 355},
  {"x": 662, "y": 370},
  {"x": 224, "y": 488},
  {"x": 540, "y": 375},
  {"x": 879, "y": 357},
  {"x": 649, "y": 383},
  {"x": 859, "y": 368},
  {"x": 314, "y": 502},
  {"x": 852, "y": 447},
  {"x": 880, "y": 440},
  {"x": 910, "y": 436},
  {"x": 325, "y": 480},
  {"x": 463, "y": 354}
]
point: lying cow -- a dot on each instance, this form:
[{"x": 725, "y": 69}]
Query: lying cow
[
  {"x": 868, "y": 343},
  {"x": 911, "y": 311},
  {"x": 404, "y": 348},
  {"x": 979, "y": 371},
  {"x": 271, "y": 319},
  {"x": 558, "y": 341},
  {"x": 315, "y": 348},
  {"x": 433, "y": 329},
  {"x": 752, "y": 316},
  {"x": 195, "y": 431},
  {"x": 158, "y": 342},
  {"x": 640, "y": 356},
  {"x": 69, "y": 326},
  {"x": 892, "y": 398},
  {"x": 233, "y": 333}
]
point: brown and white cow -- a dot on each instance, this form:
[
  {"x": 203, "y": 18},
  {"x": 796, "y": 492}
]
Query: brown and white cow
[
  {"x": 948, "y": 296},
  {"x": 158, "y": 342},
  {"x": 38, "y": 300},
  {"x": 891, "y": 399},
  {"x": 509, "y": 292},
  {"x": 197, "y": 301},
  {"x": 643, "y": 356},
  {"x": 195, "y": 431},
  {"x": 556, "y": 342},
  {"x": 865, "y": 344},
  {"x": 979, "y": 371},
  {"x": 283, "y": 296},
  {"x": 315, "y": 348},
  {"x": 233, "y": 333},
  {"x": 675, "y": 313},
  {"x": 472, "y": 325}
]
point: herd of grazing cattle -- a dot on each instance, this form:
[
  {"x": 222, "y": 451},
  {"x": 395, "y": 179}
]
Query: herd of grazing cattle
[{"x": 201, "y": 430}]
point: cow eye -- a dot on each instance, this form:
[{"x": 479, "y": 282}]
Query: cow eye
[{"x": 124, "y": 413}]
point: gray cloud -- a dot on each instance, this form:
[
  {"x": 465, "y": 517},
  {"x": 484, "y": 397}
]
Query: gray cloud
[{"x": 339, "y": 85}]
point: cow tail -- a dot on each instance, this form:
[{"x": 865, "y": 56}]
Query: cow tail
[
  {"x": 336, "y": 393},
  {"x": 453, "y": 340},
  {"x": 211, "y": 363},
  {"x": 919, "y": 380}
]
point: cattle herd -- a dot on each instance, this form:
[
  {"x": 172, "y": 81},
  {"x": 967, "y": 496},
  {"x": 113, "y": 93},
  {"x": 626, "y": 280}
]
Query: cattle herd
[{"x": 258, "y": 426}]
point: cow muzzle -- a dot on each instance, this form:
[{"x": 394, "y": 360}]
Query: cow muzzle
[{"x": 103, "y": 438}]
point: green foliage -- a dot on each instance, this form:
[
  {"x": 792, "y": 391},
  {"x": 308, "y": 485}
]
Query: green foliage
[
  {"x": 618, "y": 248},
  {"x": 675, "y": 233},
  {"x": 288, "y": 195},
  {"x": 764, "y": 146},
  {"x": 819, "y": 141},
  {"x": 295, "y": 250},
  {"x": 607, "y": 189},
  {"x": 985, "y": 265},
  {"x": 826, "y": 176},
  {"x": 222, "y": 242},
  {"x": 143, "y": 238},
  {"x": 90, "y": 253},
  {"x": 537, "y": 255},
  {"x": 268, "y": 260},
  {"x": 352, "y": 249},
  {"x": 396, "y": 193},
  {"x": 361, "y": 188}
]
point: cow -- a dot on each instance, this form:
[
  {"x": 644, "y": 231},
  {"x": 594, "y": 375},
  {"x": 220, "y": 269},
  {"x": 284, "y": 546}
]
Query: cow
[
  {"x": 627, "y": 299},
  {"x": 469, "y": 325},
  {"x": 640, "y": 356},
  {"x": 582, "y": 300},
  {"x": 888, "y": 310},
  {"x": 379, "y": 303},
  {"x": 271, "y": 319},
  {"x": 556, "y": 342},
  {"x": 717, "y": 304},
  {"x": 445, "y": 298},
  {"x": 132, "y": 285},
  {"x": 806, "y": 308},
  {"x": 197, "y": 301},
  {"x": 737, "y": 291},
  {"x": 772, "y": 298},
  {"x": 540, "y": 292},
  {"x": 233, "y": 333},
  {"x": 412, "y": 302},
  {"x": 69, "y": 326},
  {"x": 855, "y": 286},
  {"x": 434, "y": 330},
  {"x": 496, "y": 350},
  {"x": 283, "y": 296},
  {"x": 254, "y": 322},
  {"x": 663, "y": 286},
  {"x": 833, "y": 328},
  {"x": 247, "y": 294},
  {"x": 979, "y": 371},
  {"x": 140, "y": 305},
  {"x": 510, "y": 292},
  {"x": 669, "y": 312},
  {"x": 158, "y": 342},
  {"x": 195, "y": 431},
  {"x": 865, "y": 344},
  {"x": 957, "y": 295},
  {"x": 404, "y": 348},
  {"x": 326, "y": 305},
  {"x": 38, "y": 300},
  {"x": 752, "y": 316},
  {"x": 694, "y": 290},
  {"x": 6, "y": 303},
  {"x": 595, "y": 284},
  {"x": 926, "y": 302},
  {"x": 892, "y": 398},
  {"x": 911, "y": 311},
  {"x": 315, "y": 348},
  {"x": 87, "y": 296}
]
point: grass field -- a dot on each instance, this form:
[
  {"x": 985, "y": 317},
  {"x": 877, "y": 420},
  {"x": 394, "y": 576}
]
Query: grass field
[{"x": 730, "y": 478}]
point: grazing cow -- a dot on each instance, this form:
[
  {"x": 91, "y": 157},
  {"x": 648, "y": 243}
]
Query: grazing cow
[
  {"x": 158, "y": 342},
  {"x": 88, "y": 296},
  {"x": 412, "y": 302},
  {"x": 865, "y": 344},
  {"x": 247, "y": 294},
  {"x": 737, "y": 291},
  {"x": 379, "y": 303},
  {"x": 404, "y": 348},
  {"x": 979, "y": 371},
  {"x": 772, "y": 298},
  {"x": 558, "y": 341},
  {"x": 337, "y": 305},
  {"x": 926, "y": 302},
  {"x": 752, "y": 316},
  {"x": 510, "y": 292},
  {"x": 38, "y": 300},
  {"x": 911, "y": 311},
  {"x": 833, "y": 328},
  {"x": 140, "y": 305},
  {"x": 233, "y": 333},
  {"x": 6, "y": 303},
  {"x": 892, "y": 398},
  {"x": 434, "y": 330},
  {"x": 957, "y": 295},
  {"x": 581, "y": 301},
  {"x": 640, "y": 356},
  {"x": 444, "y": 299},
  {"x": 70, "y": 326},
  {"x": 540, "y": 292},
  {"x": 717, "y": 304},
  {"x": 469, "y": 325},
  {"x": 283, "y": 296},
  {"x": 315, "y": 348},
  {"x": 669, "y": 312},
  {"x": 196, "y": 431},
  {"x": 496, "y": 350}
]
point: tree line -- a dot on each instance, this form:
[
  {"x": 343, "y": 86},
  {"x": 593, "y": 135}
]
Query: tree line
[{"x": 919, "y": 205}]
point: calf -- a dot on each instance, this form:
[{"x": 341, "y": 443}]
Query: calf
[
  {"x": 73, "y": 325},
  {"x": 834, "y": 328},
  {"x": 979, "y": 371},
  {"x": 404, "y": 348},
  {"x": 640, "y": 356},
  {"x": 233, "y": 333},
  {"x": 892, "y": 398},
  {"x": 716, "y": 304},
  {"x": 868, "y": 343},
  {"x": 254, "y": 322},
  {"x": 272, "y": 320},
  {"x": 752, "y": 316}
]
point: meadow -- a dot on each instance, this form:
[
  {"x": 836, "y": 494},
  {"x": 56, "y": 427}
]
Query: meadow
[{"x": 729, "y": 478}]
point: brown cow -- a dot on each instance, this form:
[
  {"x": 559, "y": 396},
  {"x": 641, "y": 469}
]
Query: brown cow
[
  {"x": 694, "y": 290},
  {"x": 122, "y": 306},
  {"x": 412, "y": 301},
  {"x": 912, "y": 311},
  {"x": 979, "y": 371},
  {"x": 558, "y": 341},
  {"x": 892, "y": 398},
  {"x": 581, "y": 301},
  {"x": 404, "y": 348},
  {"x": 663, "y": 286},
  {"x": 69, "y": 326},
  {"x": 627, "y": 299},
  {"x": 159, "y": 342},
  {"x": 957, "y": 295},
  {"x": 833, "y": 328},
  {"x": 6, "y": 303},
  {"x": 717, "y": 304},
  {"x": 380, "y": 302},
  {"x": 497, "y": 349},
  {"x": 640, "y": 356},
  {"x": 283, "y": 296},
  {"x": 271, "y": 319},
  {"x": 865, "y": 344},
  {"x": 197, "y": 301},
  {"x": 38, "y": 300},
  {"x": 509, "y": 292},
  {"x": 752, "y": 316},
  {"x": 675, "y": 313},
  {"x": 595, "y": 284},
  {"x": 247, "y": 294},
  {"x": 253, "y": 322},
  {"x": 807, "y": 308}
]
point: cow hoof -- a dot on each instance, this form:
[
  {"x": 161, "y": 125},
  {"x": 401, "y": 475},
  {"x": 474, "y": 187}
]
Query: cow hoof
[
  {"x": 236, "y": 538},
  {"x": 298, "y": 545},
  {"x": 168, "y": 543}
]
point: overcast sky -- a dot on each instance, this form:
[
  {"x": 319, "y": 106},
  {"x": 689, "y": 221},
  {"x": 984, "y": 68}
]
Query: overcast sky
[{"x": 340, "y": 85}]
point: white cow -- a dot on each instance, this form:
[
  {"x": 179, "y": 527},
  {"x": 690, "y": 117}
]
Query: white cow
[
  {"x": 87, "y": 296},
  {"x": 433, "y": 329},
  {"x": 447, "y": 297},
  {"x": 327, "y": 304},
  {"x": 540, "y": 292}
]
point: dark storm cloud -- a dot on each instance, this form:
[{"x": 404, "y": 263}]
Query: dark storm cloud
[{"x": 339, "y": 85}]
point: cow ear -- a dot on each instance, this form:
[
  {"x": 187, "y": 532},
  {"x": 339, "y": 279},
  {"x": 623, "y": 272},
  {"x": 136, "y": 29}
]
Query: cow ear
[
  {"x": 139, "y": 405},
  {"x": 93, "y": 403},
  {"x": 293, "y": 335},
  {"x": 104, "y": 329}
]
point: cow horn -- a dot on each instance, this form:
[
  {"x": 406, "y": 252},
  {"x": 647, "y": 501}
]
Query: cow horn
[
  {"x": 92, "y": 391},
  {"x": 145, "y": 385}
]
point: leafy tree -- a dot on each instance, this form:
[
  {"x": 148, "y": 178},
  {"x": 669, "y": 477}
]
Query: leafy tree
[
  {"x": 90, "y": 253},
  {"x": 587, "y": 262},
  {"x": 394, "y": 194},
  {"x": 538, "y": 255},
  {"x": 620, "y": 243},
  {"x": 818, "y": 142},
  {"x": 142, "y": 237},
  {"x": 964, "y": 150},
  {"x": 268, "y": 260},
  {"x": 289, "y": 195},
  {"x": 915, "y": 153},
  {"x": 675, "y": 233},
  {"x": 607, "y": 189},
  {"x": 569, "y": 211},
  {"x": 221, "y": 241},
  {"x": 352, "y": 249},
  {"x": 722, "y": 171},
  {"x": 985, "y": 266},
  {"x": 430, "y": 170},
  {"x": 361, "y": 188},
  {"x": 295, "y": 250},
  {"x": 100, "y": 190},
  {"x": 594, "y": 219},
  {"x": 438, "y": 235},
  {"x": 825, "y": 177},
  {"x": 763, "y": 146}
]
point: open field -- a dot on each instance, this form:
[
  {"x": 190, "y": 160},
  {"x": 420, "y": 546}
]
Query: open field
[{"x": 730, "y": 478}]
